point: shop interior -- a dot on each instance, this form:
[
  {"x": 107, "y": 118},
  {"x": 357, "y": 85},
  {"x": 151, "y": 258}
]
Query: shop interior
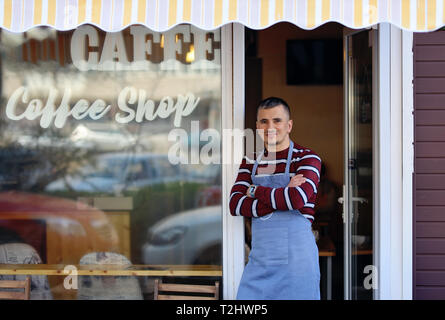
[{"x": 314, "y": 91}]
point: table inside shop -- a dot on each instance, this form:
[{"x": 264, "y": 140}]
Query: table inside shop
[
  {"x": 111, "y": 270},
  {"x": 326, "y": 248}
]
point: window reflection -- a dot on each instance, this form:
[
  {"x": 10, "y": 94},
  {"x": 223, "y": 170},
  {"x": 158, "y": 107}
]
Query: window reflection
[
  {"x": 85, "y": 152},
  {"x": 118, "y": 172},
  {"x": 190, "y": 237}
]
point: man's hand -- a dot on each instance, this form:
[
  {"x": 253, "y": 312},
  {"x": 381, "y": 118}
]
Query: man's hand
[{"x": 296, "y": 181}]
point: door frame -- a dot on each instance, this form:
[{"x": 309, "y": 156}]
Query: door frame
[
  {"x": 346, "y": 215},
  {"x": 232, "y": 63},
  {"x": 393, "y": 188},
  {"x": 408, "y": 163},
  {"x": 393, "y": 161},
  {"x": 394, "y": 129}
]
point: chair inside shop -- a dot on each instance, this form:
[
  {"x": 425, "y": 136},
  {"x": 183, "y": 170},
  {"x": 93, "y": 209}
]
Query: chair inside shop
[
  {"x": 22, "y": 253},
  {"x": 178, "y": 291},
  {"x": 15, "y": 289},
  {"x": 108, "y": 287}
]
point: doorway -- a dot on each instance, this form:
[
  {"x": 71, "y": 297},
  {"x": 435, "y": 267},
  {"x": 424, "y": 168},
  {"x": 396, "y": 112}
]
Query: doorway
[{"x": 331, "y": 107}]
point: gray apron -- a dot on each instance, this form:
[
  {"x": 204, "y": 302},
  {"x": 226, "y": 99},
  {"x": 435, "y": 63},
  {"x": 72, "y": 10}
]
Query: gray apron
[{"x": 283, "y": 263}]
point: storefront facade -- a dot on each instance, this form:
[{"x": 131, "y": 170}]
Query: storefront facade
[{"x": 119, "y": 143}]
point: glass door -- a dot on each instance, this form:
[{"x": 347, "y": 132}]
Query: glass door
[{"x": 357, "y": 191}]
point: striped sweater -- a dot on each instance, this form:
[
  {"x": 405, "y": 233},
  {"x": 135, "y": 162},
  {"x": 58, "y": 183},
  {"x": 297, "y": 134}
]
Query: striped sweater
[{"x": 267, "y": 200}]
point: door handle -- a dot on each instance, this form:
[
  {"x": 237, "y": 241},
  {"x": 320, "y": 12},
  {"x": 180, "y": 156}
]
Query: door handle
[
  {"x": 341, "y": 200},
  {"x": 358, "y": 199}
]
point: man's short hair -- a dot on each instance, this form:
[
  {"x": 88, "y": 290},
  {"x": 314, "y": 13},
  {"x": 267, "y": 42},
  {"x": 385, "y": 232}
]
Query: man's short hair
[{"x": 272, "y": 102}]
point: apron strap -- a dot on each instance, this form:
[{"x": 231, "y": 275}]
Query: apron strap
[
  {"x": 255, "y": 166},
  {"x": 289, "y": 158}
]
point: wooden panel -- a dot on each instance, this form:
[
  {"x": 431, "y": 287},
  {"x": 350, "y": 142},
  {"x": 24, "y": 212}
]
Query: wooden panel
[
  {"x": 430, "y": 229},
  {"x": 430, "y": 181},
  {"x": 430, "y": 293},
  {"x": 430, "y": 117},
  {"x": 430, "y": 149},
  {"x": 429, "y": 53},
  {"x": 430, "y": 278},
  {"x": 430, "y": 262},
  {"x": 430, "y": 101},
  {"x": 121, "y": 223},
  {"x": 429, "y": 175},
  {"x": 430, "y": 69},
  {"x": 430, "y": 198},
  {"x": 430, "y": 133},
  {"x": 429, "y": 165},
  {"x": 429, "y": 213},
  {"x": 437, "y": 37},
  {"x": 429, "y": 85},
  {"x": 430, "y": 246}
]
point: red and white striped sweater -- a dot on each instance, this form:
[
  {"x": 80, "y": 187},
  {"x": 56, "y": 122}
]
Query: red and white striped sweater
[{"x": 267, "y": 200}]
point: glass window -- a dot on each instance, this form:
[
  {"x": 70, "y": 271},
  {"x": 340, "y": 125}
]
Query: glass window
[{"x": 101, "y": 157}]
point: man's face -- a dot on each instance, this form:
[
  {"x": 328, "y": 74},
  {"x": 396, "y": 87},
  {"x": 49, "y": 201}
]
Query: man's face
[{"x": 274, "y": 125}]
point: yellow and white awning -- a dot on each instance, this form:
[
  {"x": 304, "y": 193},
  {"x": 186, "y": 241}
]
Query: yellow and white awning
[{"x": 160, "y": 15}]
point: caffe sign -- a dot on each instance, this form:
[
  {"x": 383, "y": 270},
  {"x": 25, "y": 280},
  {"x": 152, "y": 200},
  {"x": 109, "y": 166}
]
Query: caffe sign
[{"x": 143, "y": 48}]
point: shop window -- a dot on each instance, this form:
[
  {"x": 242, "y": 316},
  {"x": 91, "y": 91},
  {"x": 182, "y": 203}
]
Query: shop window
[{"x": 101, "y": 153}]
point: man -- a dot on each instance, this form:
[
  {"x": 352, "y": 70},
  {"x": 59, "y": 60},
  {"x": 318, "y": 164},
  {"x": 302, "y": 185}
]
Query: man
[{"x": 278, "y": 190}]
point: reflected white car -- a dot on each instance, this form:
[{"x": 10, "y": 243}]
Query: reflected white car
[
  {"x": 115, "y": 172},
  {"x": 189, "y": 237},
  {"x": 99, "y": 136},
  {"x": 102, "y": 137}
]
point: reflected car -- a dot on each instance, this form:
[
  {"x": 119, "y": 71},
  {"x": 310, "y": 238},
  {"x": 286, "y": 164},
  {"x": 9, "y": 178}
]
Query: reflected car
[
  {"x": 188, "y": 237},
  {"x": 104, "y": 137},
  {"x": 210, "y": 173},
  {"x": 116, "y": 172},
  {"x": 61, "y": 230}
]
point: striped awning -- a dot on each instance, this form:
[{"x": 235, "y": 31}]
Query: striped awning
[{"x": 160, "y": 15}]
